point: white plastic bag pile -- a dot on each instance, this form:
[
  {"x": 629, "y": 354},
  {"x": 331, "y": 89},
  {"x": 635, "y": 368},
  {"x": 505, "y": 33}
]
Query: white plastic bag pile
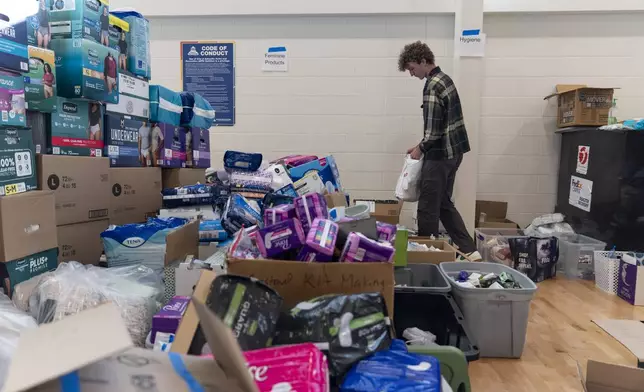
[{"x": 408, "y": 186}]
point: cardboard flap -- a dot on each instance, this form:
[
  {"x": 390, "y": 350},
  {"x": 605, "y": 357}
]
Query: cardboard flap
[
  {"x": 494, "y": 210},
  {"x": 224, "y": 347},
  {"x": 564, "y": 88},
  {"x": 630, "y": 333},
  {"x": 182, "y": 242},
  {"x": 55, "y": 349},
  {"x": 606, "y": 377}
]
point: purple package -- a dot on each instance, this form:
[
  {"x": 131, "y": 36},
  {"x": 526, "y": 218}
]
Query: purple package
[
  {"x": 386, "y": 231},
  {"x": 198, "y": 148},
  {"x": 360, "y": 248},
  {"x": 169, "y": 317},
  {"x": 278, "y": 214},
  {"x": 309, "y": 254},
  {"x": 168, "y": 145},
  {"x": 309, "y": 207},
  {"x": 322, "y": 236},
  {"x": 280, "y": 237}
]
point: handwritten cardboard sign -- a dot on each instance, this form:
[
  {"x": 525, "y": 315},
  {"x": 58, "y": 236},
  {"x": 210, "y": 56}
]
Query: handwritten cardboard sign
[{"x": 296, "y": 281}]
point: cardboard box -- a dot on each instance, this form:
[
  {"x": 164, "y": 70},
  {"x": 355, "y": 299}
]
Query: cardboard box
[
  {"x": 86, "y": 69},
  {"x": 606, "y": 377},
  {"x": 12, "y": 99},
  {"x": 87, "y": 19},
  {"x": 495, "y": 215},
  {"x": 134, "y": 97},
  {"x": 123, "y": 141},
  {"x": 190, "y": 322},
  {"x": 582, "y": 105},
  {"x": 118, "y": 31},
  {"x": 173, "y": 178},
  {"x": 630, "y": 285},
  {"x": 138, "y": 42},
  {"x": 77, "y": 128},
  {"x": 326, "y": 169},
  {"x": 17, "y": 161},
  {"x": 13, "y": 34},
  {"x": 336, "y": 199},
  {"x": 135, "y": 194},
  {"x": 81, "y": 242},
  {"x": 40, "y": 124},
  {"x": 447, "y": 253},
  {"x": 168, "y": 145},
  {"x": 197, "y": 147},
  {"x": 387, "y": 211},
  {"x": 27, "y": 224},
  {"x": 81, "y": 187},
  {"x": 40, "y": 81},
  {"x": 17, "y": 271},
  {"x": 112, "y": 364}
]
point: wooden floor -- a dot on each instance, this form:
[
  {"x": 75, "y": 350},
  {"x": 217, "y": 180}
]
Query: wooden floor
[{"x": 560, "y": 334}]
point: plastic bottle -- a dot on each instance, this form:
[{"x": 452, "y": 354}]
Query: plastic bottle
[{"x": 612, "y": 114}]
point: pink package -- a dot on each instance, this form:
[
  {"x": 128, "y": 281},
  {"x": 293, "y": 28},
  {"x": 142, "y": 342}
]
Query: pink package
[
  {"x": 309, "y": 207},
  {"x": 386, "y": 231},
  {"x": 295, "y": 160},
  {"x": 359, "y": 248},
  {"x": 278, "y": 214},
  {"x": 322, "y": 236},
  {"x": 281, "y": 237}
]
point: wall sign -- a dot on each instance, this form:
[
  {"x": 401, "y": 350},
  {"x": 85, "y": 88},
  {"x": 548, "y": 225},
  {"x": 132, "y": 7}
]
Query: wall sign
[
  {"x": 471, "y": 43},
  {"x": 581, "y": 193},
  {"x": 275, "y": 59},
  {"x": 208, "y": 68},
  {"x": 583, "y": 157}
]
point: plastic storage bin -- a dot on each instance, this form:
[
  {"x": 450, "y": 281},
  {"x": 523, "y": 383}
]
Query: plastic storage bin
[
  {"x": 498, "y": 319},
  {"x": 421, "y": 278},
  {"x": 576, "y": 254},
  {"x": 484, "y": 235}
]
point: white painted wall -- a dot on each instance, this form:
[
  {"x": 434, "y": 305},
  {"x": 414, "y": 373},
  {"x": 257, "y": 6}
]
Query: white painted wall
[
  {"x": 343, "y": 94},
  {"x": 526, "y": 56}
]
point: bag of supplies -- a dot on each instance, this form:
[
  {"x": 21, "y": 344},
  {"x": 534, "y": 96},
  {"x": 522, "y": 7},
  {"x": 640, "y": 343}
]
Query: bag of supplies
[{"x": 408, "y": 186}]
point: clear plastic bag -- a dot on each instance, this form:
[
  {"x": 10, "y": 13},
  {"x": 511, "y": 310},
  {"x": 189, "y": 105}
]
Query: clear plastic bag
[
  {"x": 12, "y": 322},
  {"x": 73, "y": 287},
  {"x": 408, "y": 186}
]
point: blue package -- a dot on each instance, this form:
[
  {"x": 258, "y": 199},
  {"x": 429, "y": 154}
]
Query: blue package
[
  {"x": 327, "y": 170},
  {"x": 13, "y": 45},
  {"x": 288, "y": 190},
  {"x": 190, "y": 195},
  {"x": 165, "y": 106},
  {"x": 242, "y": 160},
  {"x": 197, "y": 112},
  {"x": 212, "y": 231},
  {"x": 138, "y": 41},
  {"x": 169, "y": 222},
  {"x": 394, "y": 370},
  {"x": 637, "y": 124},
  {"x": 240, "y": 212},
  {"x": 122, "y": 137}
]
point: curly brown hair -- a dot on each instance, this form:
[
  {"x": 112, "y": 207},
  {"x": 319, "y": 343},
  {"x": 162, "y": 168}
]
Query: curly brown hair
[{"x": 415, "y": 52}]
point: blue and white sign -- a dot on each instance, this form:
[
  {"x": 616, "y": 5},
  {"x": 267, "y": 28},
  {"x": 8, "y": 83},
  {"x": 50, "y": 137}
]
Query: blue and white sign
[
  {"x": 471, "y": 43},
  {"x": 208, "y": 68}
]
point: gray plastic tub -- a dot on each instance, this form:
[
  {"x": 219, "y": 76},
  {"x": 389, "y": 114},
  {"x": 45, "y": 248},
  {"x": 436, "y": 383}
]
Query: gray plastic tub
[
  {"x": 421, "y": 278},
  {"x": 498, "y": 319}
]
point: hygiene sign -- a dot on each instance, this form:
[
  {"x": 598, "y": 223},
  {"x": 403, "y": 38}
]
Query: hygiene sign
[{"x": 208, "y": 68}]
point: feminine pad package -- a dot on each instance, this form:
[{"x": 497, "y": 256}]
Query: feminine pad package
[
  {"x": 40, "y": 81},
  {"x": 537, "y": 257},
  {"x": 13, "y": 41},
  {"x": 198, "y": 147},
  {"x": 250, "y": 181},
  {"x": 168, "y": 145},
  {"x": 122, "y": 137},
  {"x": 86, "y": 69},
  {"x": 242, "y": 161},
  {"x": 309, "y": 207},
  {"x": 12, "y": 100},
  {"x": 165, "y": 106},
  {"x": 278, "y": 214},
  {"x": 189, "y": 195},
  {"x": 197, "y": 112},
  {"x": 281, "y": 237},
  {"x": 386, "y": 231},
  {"x": 309, "y": 254},
  {"x": 394, "y": 369},
  {"x": 327, "y": 170},
  {"x": 291, "y": 161},
  {"x": 138, "y": 43},
  {"x": 360, "y": 248},
  {"x": 354, "y": 326},
  {"x": 17, "y": 158},
  {"x": 322, "y": 236},
  {"x": 240, "y": 212},
  {"x": 87, "y": 19},
  {"x": 168, "y": 318},
  {"x": 77, "y": 128}
]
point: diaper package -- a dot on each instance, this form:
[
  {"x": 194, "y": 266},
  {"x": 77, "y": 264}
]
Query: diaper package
[
  {"x": 242, "y": 161},
  {"x": 359, "y": 248},
  {"x": 13, "y": 35},
  {"x": 12, "y": 100},
  {"x": 168, "y": 145},
  {"x": 298, "y": 367},
  {"x": 198, "y": 147},
  {"x": 386, "y": 231},
  {"x": 138, "y": 43},
  {"x": 309, "y": 254},
  {"x": 123, "y": 136},
  {"x": 322, "y": 236},
  {"x": 355, "y": 326},
  {"x": 212, "y": 231},
  {"x": 77, "y": 128},
  {"x": 189, "y": 195},
  {"x": 40, "y": 81},
  {"x": 144, "y": 244},
  {"x": 250, "y": 181},
  {"x": 281, "y": 237},
  {"x": 327, "y": 170},
  {"x": 197, "y": 112},
  {"x": 240, "y": 212},
  {"x": 309, "y": 207},
  {"x": 278, "y": 214},
  {"x": 88, "y": 19},
  {"x": 165, "y": 106},
  {"x": 86, "y": 69},
  {"x": 394, "y": 369}
]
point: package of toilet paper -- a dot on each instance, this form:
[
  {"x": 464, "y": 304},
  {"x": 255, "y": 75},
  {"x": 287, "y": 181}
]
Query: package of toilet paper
[
  {"x": 242, "y": 161},
  {"x": 359, "y": 248},
  {"x": 281, "y": 237},
  {"x": 309, "y": 207},
  {"x": 355, "y": 326},
  {"x": 197, "y": 112},
  {"x": 322, "y": 236},
  {"x": 165, "y": 106}
]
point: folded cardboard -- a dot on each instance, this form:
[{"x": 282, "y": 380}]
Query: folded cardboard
[
  {"x": 336, "y": 199},
  {"x": 81, "y": 186},
  {"x": 17, "y": 161},
  {"x": 181, "y": 177},
  {"x": 492, "y": 214},
  {"x": 81, "y": 242},
  {"x": 45, "y": 359},
  {"x": 582, "y": 105},
  {"x": 17, "y": 271},
  {"x": 628, "y": 332},
  {"x": 182, "y": 242},
  {"x": 387, "y": 211},
  {"x": 135, "y": 194},
  {"x": 27, "y": 224},
  {"x": 606, "y": 377},
  {"x": 446, "y": 253}
]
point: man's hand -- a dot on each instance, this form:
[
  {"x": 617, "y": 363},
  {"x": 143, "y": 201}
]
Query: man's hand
[{"x": 415, "y": 152}]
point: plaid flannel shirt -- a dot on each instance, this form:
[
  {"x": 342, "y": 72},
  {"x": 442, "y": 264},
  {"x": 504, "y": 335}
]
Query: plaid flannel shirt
[{"x": 445, "y": 136}]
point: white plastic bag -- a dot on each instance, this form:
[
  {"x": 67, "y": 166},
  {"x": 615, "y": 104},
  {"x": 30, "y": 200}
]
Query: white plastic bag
[{"x": 408, "y": 187}]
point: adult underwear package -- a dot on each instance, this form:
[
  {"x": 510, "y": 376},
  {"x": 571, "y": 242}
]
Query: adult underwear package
[
  {"x": 13, "y": 35},
  {"x": 40, "y": 124},
  {"x": 189, "y": 195},
  {"x": 280, "y": 238},
  {"x": 125, "y": 141},
  {"x": 212, "y": 231},
  {"x": 394, "y": 369},
  {"x": 12, "y": 100},
  {"x": 168, "y": 145},
  {"x": 354, "y": 326},
  {"x": 322, "y": 236},
  {"x": 240, "y": 212},
  {"x": 359, "y": 248},
  {"x": 138, "y": 43},
  {"x": 197, "y": 112},
  {"x": 309, "y": 207},
  {"x": 242, "y": 161},
  {"x": 535, "y": 257},
  {"x": 77, "y": 128},
  {"x": 144, "y": 244},
  {"x": 198, "y": 147},
  {"x": 250, "y": 181},
  {"x": 118, "y": 39},
  {"x": 326, "y": 169},
  {"x": 165, "y": 106},
  {"x": 38, "y": 29},
  {"x": 134, "y": 98},
  {"x": 309, "y": 254},
  {"x": 87, "y": 19},
  {"x": 386, "y": 231},
  {"x": 17, "y": 155},
  {"x": 40, "y": 82}
]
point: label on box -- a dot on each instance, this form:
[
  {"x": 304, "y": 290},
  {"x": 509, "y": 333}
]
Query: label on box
[
  {"x": 583, "y": 157},
  {"x": 581, "y": 193},
  {"x": 131, "y": 106}
]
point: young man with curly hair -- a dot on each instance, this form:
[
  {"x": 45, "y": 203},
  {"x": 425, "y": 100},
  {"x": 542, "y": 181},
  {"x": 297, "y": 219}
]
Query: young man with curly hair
[{"x": 442, "y": 147}]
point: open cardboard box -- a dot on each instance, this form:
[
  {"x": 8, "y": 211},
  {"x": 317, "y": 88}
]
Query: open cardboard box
[
  {"x": 495, "y": 215},
  {"x": 387, "y": 211},
  {"x": 606, "y": 377},
  {"x": 92, "y": 351},
  {"x": 182, "y": 242},
  {"x": 446, "y": 253},
  {"x": 580, "y": 105}
]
